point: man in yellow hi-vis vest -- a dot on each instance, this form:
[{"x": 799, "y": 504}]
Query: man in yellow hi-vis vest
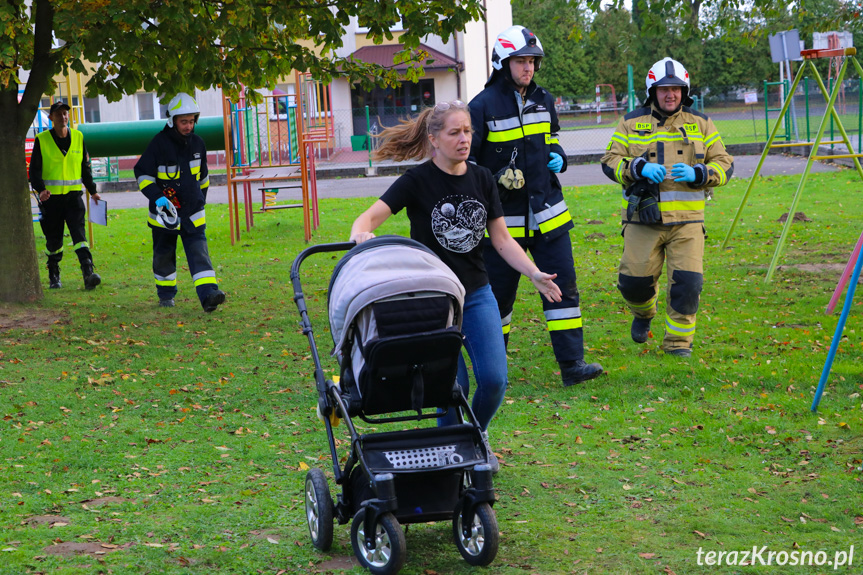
[{"x": 58, "y": 166}]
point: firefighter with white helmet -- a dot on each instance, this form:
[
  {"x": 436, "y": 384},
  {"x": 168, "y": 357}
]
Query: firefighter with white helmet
[
  {"x": 665, "y": 155},
  {"x": 172, "y": 173},
  {"x": 515, "y": 125}
]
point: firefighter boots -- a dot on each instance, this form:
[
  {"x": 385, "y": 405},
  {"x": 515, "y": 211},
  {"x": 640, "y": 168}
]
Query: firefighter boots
[
  {"x": 91, "y": 278},
  {"x": 54, "y": 275},
  {"x": 573, "y": 372},
  {"x": 213, "y": 300},
  {"x": 166, "y": 302},
  {"x": 640, "y": 329},
  {"x": 679, "y": 352}
]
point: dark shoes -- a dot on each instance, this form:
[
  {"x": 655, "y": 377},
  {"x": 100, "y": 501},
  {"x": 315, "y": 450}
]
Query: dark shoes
[
  {"x": 640, "y": 329},
  {"x": 573, "y": 372},
  {"x": 166, "y": 302},
  {"x": 91, "y": 278},
  {"x": 213, "y": 300},
  {"x": 679, "y": 352},
  {"x": 54, "y": 277}
]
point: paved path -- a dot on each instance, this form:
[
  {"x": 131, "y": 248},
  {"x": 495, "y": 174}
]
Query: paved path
[{"x": 577, "y": 175}]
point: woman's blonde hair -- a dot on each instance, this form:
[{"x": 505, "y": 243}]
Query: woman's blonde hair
[{"x": 409, "y": 140}]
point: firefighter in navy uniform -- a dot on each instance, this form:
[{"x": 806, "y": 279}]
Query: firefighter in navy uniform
[
  {"x": 172, "y": 173},
  {"x": 665, "y": 155},
  {"x": 516, "y": 138}
]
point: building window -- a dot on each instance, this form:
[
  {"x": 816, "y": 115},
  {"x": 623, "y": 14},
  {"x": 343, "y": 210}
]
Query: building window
[
  {"x": 91, "y": 110},
  {"x": 146, "y": 106},
  {"x": 388, "y": 105},
  {"x": 284, "y": 98},
  {"x": 149, "y": 107}
]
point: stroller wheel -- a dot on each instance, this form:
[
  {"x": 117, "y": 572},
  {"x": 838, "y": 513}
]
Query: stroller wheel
[
  {"x": 319, "y": 509},
  {"x": 479, "y": 545},
  {"x": 388, "y": 554}
]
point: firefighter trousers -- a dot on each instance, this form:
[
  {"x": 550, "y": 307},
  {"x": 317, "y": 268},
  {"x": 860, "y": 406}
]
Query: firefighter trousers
[
  {"x": 64, "y": 210},
  {"x": 563, "y": 318},
  {"x": 165, "y": 262},
  {"x": 681, "y": 247}
]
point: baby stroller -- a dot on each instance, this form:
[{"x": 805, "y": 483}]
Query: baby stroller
[{"x": 395, "y": 312}]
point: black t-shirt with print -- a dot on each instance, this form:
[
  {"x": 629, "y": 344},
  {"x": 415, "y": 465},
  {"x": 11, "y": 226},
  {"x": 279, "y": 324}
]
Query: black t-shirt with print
[{"x": 448, "y": 214}]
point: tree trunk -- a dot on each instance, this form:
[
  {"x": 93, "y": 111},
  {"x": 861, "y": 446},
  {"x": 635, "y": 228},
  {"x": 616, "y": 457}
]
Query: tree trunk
[{"x": 19, "y": 264}]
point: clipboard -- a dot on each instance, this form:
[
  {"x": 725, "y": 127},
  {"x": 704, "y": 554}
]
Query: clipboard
[{"x": 97, "y": 212}]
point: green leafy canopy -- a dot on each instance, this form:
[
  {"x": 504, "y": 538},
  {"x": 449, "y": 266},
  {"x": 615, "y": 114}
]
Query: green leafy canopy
[{"x": 127, "y": 45}]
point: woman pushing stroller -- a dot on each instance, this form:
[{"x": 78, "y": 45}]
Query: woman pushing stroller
[{"x": 450, "y": 204}]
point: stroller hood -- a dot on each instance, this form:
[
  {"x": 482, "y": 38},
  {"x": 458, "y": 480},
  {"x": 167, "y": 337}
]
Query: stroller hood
[{"x": 383, "y": 267}]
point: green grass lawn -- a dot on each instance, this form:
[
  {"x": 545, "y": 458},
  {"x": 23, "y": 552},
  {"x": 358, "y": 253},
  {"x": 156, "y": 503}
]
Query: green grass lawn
[{"x": 172, "y": 441}]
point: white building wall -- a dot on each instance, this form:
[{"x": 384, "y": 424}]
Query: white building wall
[{"x": 479, "y": 38}]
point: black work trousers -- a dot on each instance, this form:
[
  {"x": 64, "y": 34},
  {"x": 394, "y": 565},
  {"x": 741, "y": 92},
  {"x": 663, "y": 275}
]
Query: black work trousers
[{"x": 67, "y": 210}]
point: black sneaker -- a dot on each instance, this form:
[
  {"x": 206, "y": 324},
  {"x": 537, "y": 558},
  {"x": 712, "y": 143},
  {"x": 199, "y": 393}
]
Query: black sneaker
[
  {"x": 213, "y": 300},
  {"x": 577, "y": 371},
  {"x": 640, "y": 329},
  {"x": 166, "y": 302},
  {"x": 679, "y": 352}
]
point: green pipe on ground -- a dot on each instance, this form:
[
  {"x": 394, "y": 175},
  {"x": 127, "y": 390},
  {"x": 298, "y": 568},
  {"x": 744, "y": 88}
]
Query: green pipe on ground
[{"x": 114, "y": 139}]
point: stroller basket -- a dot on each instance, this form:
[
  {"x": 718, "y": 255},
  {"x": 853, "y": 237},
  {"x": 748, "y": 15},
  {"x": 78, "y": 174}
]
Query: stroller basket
[{"x": 450, "y": 447}]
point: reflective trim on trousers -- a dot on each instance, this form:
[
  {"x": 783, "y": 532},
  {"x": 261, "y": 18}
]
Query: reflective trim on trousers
[
  {"x": 649, "y": 306},
  {"x": 565, "y": 318},
  {"x": 505, "y": 322},
  {"x": 204, "y": 277},
  {"x": 679, "y": 329}
]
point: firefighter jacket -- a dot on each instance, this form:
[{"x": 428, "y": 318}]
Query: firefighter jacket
[
  {"x": 175, "y": 166},
  {"x": 507, "y": 125},
  {"x": 686, "y": 136}
]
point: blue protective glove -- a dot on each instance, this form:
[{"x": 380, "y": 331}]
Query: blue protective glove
[
  {"x": 555, "y": 162},
  {"x": 163, "y": 202},
  {"x": 653, "y": 172},
  {"x": 683, "y": 173}
]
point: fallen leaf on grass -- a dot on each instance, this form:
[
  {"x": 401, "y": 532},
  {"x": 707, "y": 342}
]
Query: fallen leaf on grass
[
  {"x": 700, "y": 534},
  {"x": 647, "y": 555}
]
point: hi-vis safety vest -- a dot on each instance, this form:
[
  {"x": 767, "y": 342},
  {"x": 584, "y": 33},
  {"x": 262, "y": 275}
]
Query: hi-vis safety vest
[
  {"x": 61, "y": 174},
  {"x": 686, "y": 136}
]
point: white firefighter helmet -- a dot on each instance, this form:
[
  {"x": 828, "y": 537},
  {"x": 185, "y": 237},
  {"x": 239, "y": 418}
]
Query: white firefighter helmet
[
  {"x": 667, "y": 72},
  {"x": 180, "y": 105},
  {"x": 516, "y": 41},
  {"x": 167, "y": 216}
]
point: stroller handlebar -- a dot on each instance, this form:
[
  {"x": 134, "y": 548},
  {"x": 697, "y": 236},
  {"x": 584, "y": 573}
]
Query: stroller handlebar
[{"x": 334, "y": 247}]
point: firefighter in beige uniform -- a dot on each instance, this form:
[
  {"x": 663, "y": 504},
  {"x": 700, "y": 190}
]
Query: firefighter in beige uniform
[{"x": 665, "y": 155}]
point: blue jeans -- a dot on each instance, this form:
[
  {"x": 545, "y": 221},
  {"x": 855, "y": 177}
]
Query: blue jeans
[{"x": 483, "y": 341}]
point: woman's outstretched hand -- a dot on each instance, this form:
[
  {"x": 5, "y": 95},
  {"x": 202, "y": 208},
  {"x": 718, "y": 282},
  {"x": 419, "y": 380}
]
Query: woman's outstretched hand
[
  {"x": 545, "y": 284},
  {"x": 360, "y": 237}
]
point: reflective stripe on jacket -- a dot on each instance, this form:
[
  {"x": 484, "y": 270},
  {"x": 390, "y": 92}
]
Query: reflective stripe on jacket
[
  {"x": 505, "y": 123},
  {"x": 61, "y": 173},
  {"x": 688, "y": 137}
]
